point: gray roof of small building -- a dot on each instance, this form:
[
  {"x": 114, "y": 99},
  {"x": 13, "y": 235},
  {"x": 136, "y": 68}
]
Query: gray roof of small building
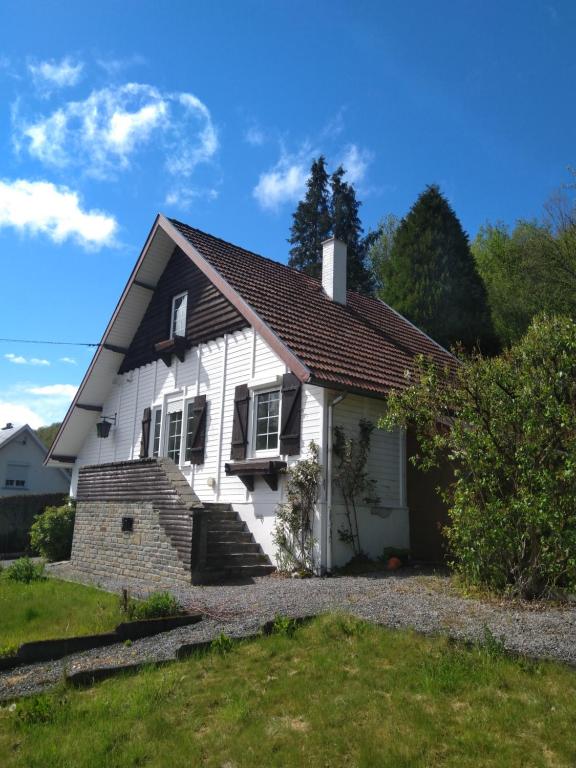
[{"x": 8, "y": 434}]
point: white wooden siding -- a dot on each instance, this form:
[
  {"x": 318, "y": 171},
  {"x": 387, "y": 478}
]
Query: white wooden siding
[
  {"x": 216, "y": 369},
  {"x": 384, "y": 524},
  {"x": 213, "y": 369}
]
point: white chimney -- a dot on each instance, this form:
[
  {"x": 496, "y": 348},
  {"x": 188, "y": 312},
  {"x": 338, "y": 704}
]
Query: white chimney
[{"x": 334, "y": 269}]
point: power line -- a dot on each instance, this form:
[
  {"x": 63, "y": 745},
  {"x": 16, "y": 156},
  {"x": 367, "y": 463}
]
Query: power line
[{"x": 59, "y": 343}]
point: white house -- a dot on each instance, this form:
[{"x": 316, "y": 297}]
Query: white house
[
  {"x": 229, "y": 364},
  {"x": 22, "y": 469}
]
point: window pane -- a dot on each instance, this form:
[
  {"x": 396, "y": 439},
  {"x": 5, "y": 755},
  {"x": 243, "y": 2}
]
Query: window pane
[
  {"x": 261, "y": 442},
  {"x": 267, "y": 410},
  {"x": 156, "y": 434},
  {"x": 174, "y": 436},
  {"x": 179, "y": 316}
]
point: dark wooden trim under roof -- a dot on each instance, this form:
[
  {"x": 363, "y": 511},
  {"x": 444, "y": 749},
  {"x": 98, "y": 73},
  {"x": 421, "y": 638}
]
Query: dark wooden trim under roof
[
  {"x": 88, "y": 407},
  {"x": 284, "y": 353},
  {"x": 63, "y": 459}
]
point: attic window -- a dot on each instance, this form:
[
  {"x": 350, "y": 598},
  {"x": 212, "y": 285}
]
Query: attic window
[{"x": 178, "y": 320}]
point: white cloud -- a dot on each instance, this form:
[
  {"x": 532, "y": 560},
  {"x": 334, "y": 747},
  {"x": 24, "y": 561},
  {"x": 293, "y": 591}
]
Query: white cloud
[
  {"x": 56, "y": 74},
  {"x": 20, "y": 360},
  {"x": 286, "y": 181},
  {"x": 54, "y": 390},
  {"x": 355, "y": 162},
  {"x": 42, "y": 207},
  {"x": 68, "y": 360},
  {"x": 104, "y": 131},
  {"x": 20, "y": 414},
  {"x": 113, "y": 67},
  {"x": 255, "y": 136},
  {"x": 182, "y": 196}
]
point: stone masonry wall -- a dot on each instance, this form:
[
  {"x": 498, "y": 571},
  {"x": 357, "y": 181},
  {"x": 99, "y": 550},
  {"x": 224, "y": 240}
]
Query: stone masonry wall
[{"x": 101, "y": 548}]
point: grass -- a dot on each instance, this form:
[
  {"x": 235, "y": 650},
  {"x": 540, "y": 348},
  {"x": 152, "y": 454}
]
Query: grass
[
  {"x": 335, "y": 692},
  {"x": 51, "y": 608}
]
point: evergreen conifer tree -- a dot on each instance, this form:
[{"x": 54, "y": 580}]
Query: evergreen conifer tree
[
  {"x": 311, "y": 223},
  {"x": 346, "y": 226},
  {"x": 431, "y": 277},
  {"x": 329, "y": 208}
]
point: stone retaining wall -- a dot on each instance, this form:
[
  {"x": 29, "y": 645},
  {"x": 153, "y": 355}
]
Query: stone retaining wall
[{"x": 102, "y": 549}]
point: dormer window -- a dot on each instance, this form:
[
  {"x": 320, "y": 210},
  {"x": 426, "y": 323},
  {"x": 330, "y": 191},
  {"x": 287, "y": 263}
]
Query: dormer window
[{"x": 178, "y": 320}]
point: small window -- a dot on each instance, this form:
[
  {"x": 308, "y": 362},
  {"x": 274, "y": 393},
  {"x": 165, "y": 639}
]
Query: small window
[
  {"x": 16, "y": 476},
  {"x": 267, "y": 409},
  {"x": 174, "y": 436},
  {"x": 127, "y": 524},
  {"x": 156, "y": 433},
  {"x": 178, "y": 321}
]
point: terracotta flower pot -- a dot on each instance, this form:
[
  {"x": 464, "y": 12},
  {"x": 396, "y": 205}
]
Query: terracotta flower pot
[{"x": 393, "y": 564}]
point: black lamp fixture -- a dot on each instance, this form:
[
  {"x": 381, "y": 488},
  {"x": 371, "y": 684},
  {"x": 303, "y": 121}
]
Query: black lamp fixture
[{"x": 103, "y": 426}]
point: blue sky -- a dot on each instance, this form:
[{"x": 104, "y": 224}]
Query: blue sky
[{"x": 213, "y": 111}]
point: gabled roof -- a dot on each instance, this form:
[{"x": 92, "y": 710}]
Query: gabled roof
[
  {"x": 7, "y": 435},
  {"x": 364, "y": 346}
]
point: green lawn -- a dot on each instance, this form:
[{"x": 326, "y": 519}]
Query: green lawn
[
  {"x": 338, "y": 693},
  {"x": 52, "y": 608}
]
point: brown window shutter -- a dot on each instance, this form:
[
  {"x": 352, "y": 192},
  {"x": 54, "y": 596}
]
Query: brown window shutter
[
  {"x": 290, "y": 423},
  {"x": 196, "y": 432},
  {"x": 145, "y": 441},
  {"x": 240, "y": 424}
]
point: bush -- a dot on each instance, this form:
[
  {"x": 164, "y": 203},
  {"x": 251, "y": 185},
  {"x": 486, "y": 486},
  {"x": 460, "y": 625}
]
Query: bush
[
  {"x": 156, "y": 606},
  {"x": 509, "y": 425},
  {"x": 222, "y": 644},
  {"x": 52, "y": 531},
  {"x": 25, "y": 571}
]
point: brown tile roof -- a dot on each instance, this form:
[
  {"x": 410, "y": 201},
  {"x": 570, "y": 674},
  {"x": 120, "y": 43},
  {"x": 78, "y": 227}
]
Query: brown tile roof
[{"x": 364, "y": 346}]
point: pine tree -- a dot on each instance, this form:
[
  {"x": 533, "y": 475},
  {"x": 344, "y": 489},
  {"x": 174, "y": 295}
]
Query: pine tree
[
  {"x": 431, "y": 277},
  {"x": 346, "y": 226},
  {"x": 311, "y": 222},
  {"x": 330, "y": 208}
]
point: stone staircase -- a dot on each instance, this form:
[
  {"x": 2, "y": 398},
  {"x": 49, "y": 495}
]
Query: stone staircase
[{"x": 231, "y": 551}]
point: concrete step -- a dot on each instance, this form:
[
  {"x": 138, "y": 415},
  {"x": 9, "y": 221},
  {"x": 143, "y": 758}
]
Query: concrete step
[
  {"x": 226, "y": 525},
  {"x": 218, "y": 507},
  {"x": 227, "y": 515},
  {"x": 226, "y": 547},
  {"x": 236, "y": 559},
  {"x": 227, "y": 537}
]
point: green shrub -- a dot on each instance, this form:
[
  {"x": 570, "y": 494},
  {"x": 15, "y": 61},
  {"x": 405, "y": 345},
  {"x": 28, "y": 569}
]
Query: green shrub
[
  {"x": 284, "y": 625},
  {"x": 25, "y": 571},
  {"x": 509, "y": 426},
  {"x": 222, "y": 644},
  {"x": 52, "y": 531},
  {"x": 156, "y": 606}
]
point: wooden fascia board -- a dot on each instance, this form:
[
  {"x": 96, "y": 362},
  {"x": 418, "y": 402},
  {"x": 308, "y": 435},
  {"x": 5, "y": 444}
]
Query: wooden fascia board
[
  {"x": 100, "y": 349},
  {"x": 277, "y": 345}
]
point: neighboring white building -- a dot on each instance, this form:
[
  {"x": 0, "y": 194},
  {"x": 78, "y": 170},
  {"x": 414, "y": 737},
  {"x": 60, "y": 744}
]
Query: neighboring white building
[
  {"x": 22, "y": 469},
  {"x": 230, "y": 364}
]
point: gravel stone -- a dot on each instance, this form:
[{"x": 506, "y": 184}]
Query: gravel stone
[{"x": 425, "y": 602}]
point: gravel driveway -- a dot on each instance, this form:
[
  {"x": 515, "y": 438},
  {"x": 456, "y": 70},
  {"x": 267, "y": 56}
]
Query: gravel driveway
[{"x": 427, "y": 603}]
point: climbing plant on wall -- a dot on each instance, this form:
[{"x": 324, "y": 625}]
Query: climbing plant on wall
[
  {"x": 294, "y": 527},
  {"x": 352, "y": 479}
]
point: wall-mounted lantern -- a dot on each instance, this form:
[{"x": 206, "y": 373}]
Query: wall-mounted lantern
[{"x": 103, "y": 426}]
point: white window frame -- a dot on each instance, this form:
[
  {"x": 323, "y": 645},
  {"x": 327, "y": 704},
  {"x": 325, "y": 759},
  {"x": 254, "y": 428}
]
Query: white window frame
[
  {"x": 254, "y": 394},
  {"x": 183, "y": 295},
  {"x": 10, "y": 482}
]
